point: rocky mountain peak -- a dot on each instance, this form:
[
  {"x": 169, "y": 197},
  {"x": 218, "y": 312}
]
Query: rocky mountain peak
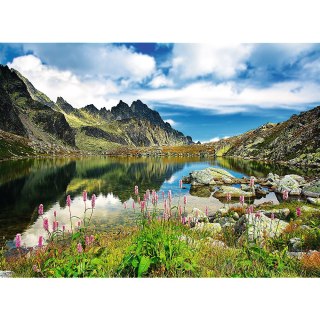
[
  {"x": 121, "y": 111},
  {"x": 64, "y": 105},
  {"x": 90, "y": 108}
]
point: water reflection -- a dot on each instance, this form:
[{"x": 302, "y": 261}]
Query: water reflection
[{"x": 26, "y": 183}]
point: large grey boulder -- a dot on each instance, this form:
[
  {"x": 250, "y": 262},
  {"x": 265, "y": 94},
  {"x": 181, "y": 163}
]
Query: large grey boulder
[
  {"x": 253, "y": 227},
  {"x": 287, "y": 183},
  {"x": 210, "y": 176}
]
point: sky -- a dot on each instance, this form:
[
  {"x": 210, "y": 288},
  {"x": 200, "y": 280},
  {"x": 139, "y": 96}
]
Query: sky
[{"x": 207, "y": 91}]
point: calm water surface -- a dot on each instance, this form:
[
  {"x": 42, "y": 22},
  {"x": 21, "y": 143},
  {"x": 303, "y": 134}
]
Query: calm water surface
[{"x": 24, "y": 184}]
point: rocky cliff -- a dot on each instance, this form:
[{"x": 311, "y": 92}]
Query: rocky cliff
[{"x": 24, "y": 113}]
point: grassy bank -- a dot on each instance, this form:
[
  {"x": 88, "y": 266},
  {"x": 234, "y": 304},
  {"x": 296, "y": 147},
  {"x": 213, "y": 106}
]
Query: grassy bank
[{"x": 161, "y": 248}]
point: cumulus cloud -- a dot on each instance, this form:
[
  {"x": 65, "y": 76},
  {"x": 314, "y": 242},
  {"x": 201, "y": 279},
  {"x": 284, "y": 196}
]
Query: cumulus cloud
[
  {"x": 160, "y": 81},
  {"x": 228, "y": 98},
  {"x": 54, "y": 83},
  {"x": 195, "y": 60},
  {"x": 92, "y": 60}
]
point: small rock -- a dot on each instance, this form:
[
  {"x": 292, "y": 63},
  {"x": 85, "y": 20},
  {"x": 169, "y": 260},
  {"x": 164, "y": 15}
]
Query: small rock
[
  {"x": 235, "y": 216},
  {"x": 6, "y": 274},
  {"x": 198, "y": 215},
  {"x": 222, "y": 192},
  {"x": 315, "y": 201}
]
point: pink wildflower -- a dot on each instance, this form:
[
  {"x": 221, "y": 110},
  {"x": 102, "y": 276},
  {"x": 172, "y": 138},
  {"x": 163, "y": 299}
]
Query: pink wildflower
[
  {"x": 228, "y": 197},
  {"x": 93, "y": 201},
  {"x": 35, "y": 268},
  {"x": 185, "y": 200},
  {"x": 180, "y": 210},
  {"x": 87, "y": 240},
  {"x": 18, "y": 240},
  {"x": 92, "y": 238},
  {"x": 251, "y": 182},
  {"x": 79, "y": 247},
  {"x": 272, "y": 216},
  {"x": 40, "y": 210},
  {"x": 241, "y": 199},
  {"x": 251, "y": 209},
  {"x": 133, "y": 205},
  {"x": 79, "y": 224},
  {"x": 68, "y": 201},
  {"x": 258, "y": 215},
  {"x": 136, "y": 190},
  {"x": 63, "y": 228},
  {"x": 46, "y": 224},
  {"x": 207, "y": 212},
  {"x": 40, "y": 241},
  {"x": 180, "y": 184},
  {"x": 298, "y": 210},
  {"x": 84, "y": 195},
  {"x": 55, "y": 213}
]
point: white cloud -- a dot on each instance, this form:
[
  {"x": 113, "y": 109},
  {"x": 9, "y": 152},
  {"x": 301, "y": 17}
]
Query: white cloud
[
  {"x": 223, "y": 61},
  {"x": 172, "y": 122},
  {"x": 54, "y": 83},
  {"x": 228, "y": 98},
  {"x": 160, "y": 81},
  {"x": 96, "y": 60}
]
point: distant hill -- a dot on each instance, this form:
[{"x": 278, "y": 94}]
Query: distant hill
[{"x": 296, "y": 141}]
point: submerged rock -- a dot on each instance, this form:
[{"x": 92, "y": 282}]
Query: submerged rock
[
  {"x": 6, "y": 274},
  {"x": 222, "y": 192},
  {"x": 200, "y": 191}
]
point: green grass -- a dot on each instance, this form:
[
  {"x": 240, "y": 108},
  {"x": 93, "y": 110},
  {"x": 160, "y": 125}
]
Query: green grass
[{"x": 156, "y": 249}]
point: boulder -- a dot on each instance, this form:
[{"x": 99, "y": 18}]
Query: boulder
[
  {"x": 257, "y": 227},
  {"x": 260, "y": 191},
  {"x": 209, "y": 176},
  {"x": 278, "y": 213},
  {"x": 312, "y": 189},
  {"x": 299, "y": 179},
  {"x": 197, "y": 215},
  {"x": 289, "y": 184},
  {"x": 230, "y": 207},
  {"x": 222, "y": 192}
]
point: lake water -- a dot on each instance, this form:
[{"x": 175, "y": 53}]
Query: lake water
[{"x": 24, "y": 184}]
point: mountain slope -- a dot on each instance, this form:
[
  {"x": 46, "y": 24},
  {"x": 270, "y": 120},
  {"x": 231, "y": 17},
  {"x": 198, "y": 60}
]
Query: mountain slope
[
  {"x": 30, "y": 118},
  {"x": 296, "y": 140}
]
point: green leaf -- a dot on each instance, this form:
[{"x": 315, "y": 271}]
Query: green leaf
[
  {"x": 76, "y": 236},
  {"x": 135, "y": 262},
  {"x": 96, "y": 261},
  {"x": 143, "y": 266}
]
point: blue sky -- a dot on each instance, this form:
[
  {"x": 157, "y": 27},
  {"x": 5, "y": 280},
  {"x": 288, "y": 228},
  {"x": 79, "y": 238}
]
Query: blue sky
[{"x": 208, "y": 91}]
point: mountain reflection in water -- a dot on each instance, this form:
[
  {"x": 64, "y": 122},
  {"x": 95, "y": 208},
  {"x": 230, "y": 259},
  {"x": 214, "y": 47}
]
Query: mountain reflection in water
[{"x": 24, "y": 184}]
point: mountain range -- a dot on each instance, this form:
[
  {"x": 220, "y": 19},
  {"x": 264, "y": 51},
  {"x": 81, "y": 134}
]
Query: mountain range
[
  {"x": 28, "y": 115},
  {"x": 31, "y": 124}
]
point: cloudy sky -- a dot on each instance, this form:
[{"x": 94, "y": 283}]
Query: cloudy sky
[{"x": 204, "y": 90}]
